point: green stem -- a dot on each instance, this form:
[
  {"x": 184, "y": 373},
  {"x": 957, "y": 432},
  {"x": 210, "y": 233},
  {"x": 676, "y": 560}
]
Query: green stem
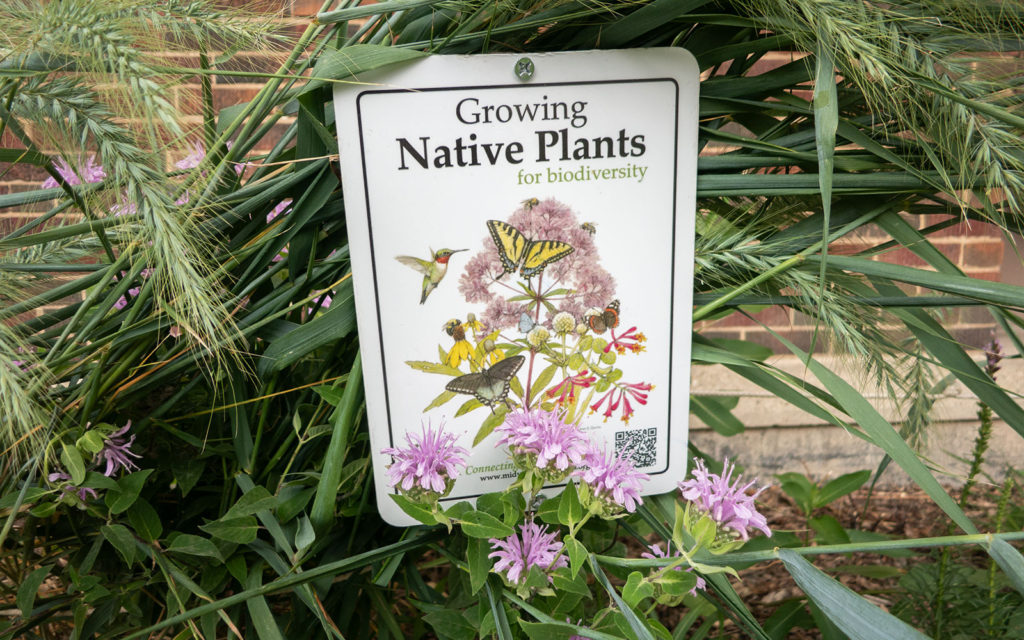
[
  {"x": 744, "y": 557},
  {"x": 573, "y": 530},
  {"x": 711, "y": 307}
]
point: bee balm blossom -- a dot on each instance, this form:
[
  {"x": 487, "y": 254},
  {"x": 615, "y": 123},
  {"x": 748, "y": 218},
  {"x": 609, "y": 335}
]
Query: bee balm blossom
[
  {"x": 611, "y": 482},
  {"x": 536, "y": 547},
  {"x": 541, "y": 440},
  {"x": 726, "y": 502},
  {"x": 88, "y": 172},
  {"x": 117, "y": 451},
  {"x": 427, "y": 468}
]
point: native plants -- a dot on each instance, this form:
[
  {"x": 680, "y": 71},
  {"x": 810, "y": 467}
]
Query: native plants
[{"x": 203, "y": 293}]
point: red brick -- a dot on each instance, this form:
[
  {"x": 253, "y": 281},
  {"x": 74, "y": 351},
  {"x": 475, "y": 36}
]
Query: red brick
[
  {"x": 307, "y": 8},
  {"x": 949, "y": 247},
  {"x": 231, "y": 95},
  {"x": 871, "y": 230},
  {"x": 973, "y": 338},
  {"x": 773, "y": 60},
  {"x": 273, "y": 136},
  {"x": 975, "y": 315},
  {"x": 970, "y": 229},
  {"x": 10, "y": 141},
  {"x": 801, "y": 338},
  {"x": 902, "y": 256},
  {"x": 849, "y": 246},
  {"x": 983, "y": 254},
  {"x": 991, "y": 276},
  {"x": 22, "y": 172},
  {"x": 250, "y": 62}
]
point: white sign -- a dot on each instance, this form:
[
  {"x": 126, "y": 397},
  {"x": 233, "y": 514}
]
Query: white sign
[{"x": 486, "y": 209}]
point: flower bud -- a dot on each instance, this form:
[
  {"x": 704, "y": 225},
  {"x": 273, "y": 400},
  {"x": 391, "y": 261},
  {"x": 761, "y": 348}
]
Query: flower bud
[
  {"x": 564, "y": 322},
  {"x": 538, "y": 336}
]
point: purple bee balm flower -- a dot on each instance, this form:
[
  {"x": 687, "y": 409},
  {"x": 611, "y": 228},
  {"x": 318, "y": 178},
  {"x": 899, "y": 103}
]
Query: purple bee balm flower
[
  {"x": 81, "y": 492},
  {"x": 280, "y": 209},
  {"x": 541, "y": 440},
  {"x": 993, "y": 355},
  {"x": 656, "y": 552},
  {"x": 612, "y": 481},
  {"x": 89, "y": 172},
  {"x": 192, "y": 160},
  {"x": 122, "y": 302},
  {"x": 536, "y": 547},
  {"x": 726, "y": 501},
  {"x": 116, "y": 451},
  {"x": 428, "y": 466},
  {"x": 324, "y": 302}
]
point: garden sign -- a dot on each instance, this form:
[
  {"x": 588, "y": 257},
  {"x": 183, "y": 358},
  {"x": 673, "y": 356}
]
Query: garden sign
[{"x": 521, "y": 231}]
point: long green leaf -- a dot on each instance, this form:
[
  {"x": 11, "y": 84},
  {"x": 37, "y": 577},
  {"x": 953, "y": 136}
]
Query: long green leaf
[
  {"x": 281, "y": 584},
  {"x": 322, "y": 512},
  {"x": 1010, "y": 560},
  {"x": 640, "y": 629},
  {"x": 262, "y": 619},
  {"x": 353, "y": 13},
  {"x": 857, "y": 617},
  {"x": 997, "y": 293},
  {"x": 826, "y": 119},
  {"x": 883, "y": 434},
  {"x": 326, "y": 328}
]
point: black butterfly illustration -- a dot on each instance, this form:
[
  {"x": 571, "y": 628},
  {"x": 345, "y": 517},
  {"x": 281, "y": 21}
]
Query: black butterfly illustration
[
  {"x": 607, "y": 319},
  {"x": 489, "y": 386}
]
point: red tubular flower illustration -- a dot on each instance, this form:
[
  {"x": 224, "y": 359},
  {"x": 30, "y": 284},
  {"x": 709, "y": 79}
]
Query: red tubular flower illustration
[
  {"x": 631, "y": 340},
  {"x": 638, "y": 390},
  {"x": 566, "y": 389},
  {"x": 621, "y": 394}
]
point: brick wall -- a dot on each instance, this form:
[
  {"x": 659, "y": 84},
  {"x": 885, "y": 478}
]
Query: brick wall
[{"x": 977, "y": 248}]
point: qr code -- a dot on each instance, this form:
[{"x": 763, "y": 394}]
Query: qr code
[{"x": 639, "y": 444}]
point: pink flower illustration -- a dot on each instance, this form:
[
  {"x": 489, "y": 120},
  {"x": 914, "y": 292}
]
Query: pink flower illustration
[{"x": 484, "y": 281}]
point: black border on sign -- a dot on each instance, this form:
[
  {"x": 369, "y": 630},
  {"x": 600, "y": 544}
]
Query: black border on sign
[{"x": 672, "y": 270}]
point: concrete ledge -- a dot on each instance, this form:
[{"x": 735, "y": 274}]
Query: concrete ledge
[{"x": 780, "y": 438}]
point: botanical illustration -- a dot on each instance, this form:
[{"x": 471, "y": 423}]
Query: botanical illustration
[{"x": 548, "y": 334}]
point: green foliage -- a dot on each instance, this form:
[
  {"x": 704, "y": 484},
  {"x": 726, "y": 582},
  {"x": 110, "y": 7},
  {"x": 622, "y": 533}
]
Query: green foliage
[
  {"x": 252, "y": 511},
  {"x": 969, "y": 610},
  {"x": 809, "y": 496}
]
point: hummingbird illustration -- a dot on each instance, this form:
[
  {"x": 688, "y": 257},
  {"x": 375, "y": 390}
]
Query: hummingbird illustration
[{"x": 433, "y": 270}]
